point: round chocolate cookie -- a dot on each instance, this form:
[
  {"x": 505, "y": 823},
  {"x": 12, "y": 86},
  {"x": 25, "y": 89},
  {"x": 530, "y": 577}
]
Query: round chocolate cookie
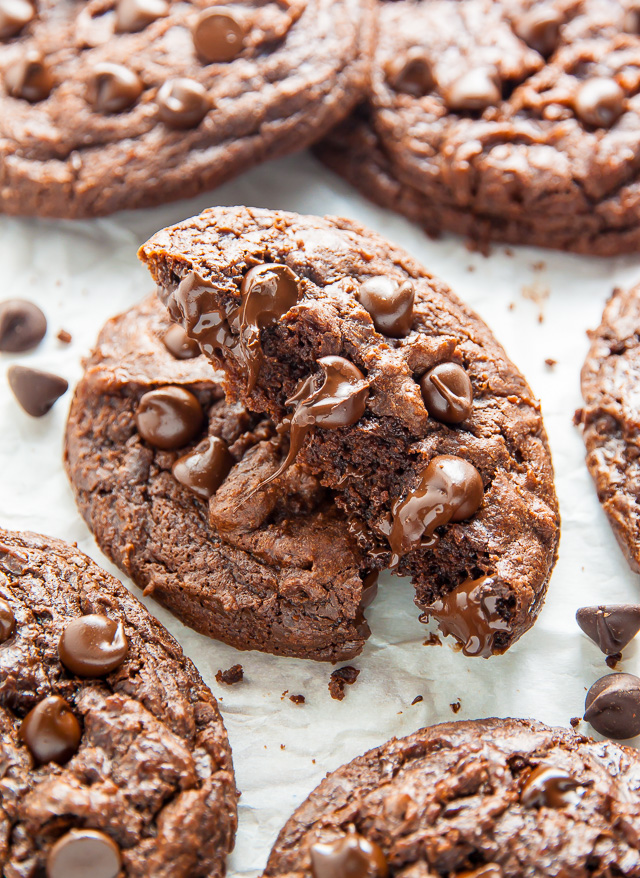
[
  {"x": 486, "y": 799},
  {"x": 162, "y": 467},
  {"x": 513, "y": 120},
  {"x": 115, "y": 761},
  {"x": 609, "y": 418},
  {"x": 113, "y": 104},
  {"x": 391, "y": 391}
]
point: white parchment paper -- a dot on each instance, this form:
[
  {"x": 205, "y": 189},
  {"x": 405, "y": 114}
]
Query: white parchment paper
[{"x": 539, "y": 305}]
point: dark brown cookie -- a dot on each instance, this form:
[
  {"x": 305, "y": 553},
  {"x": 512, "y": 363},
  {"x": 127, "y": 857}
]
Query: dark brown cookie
[
  {"x": 512, "y": 120},
  {"x": 486, "y": 799},
  {"x": 466, "y": 507},
  {"x": 279, "y": 574},
  {"x": 115, "y": 104},
  {"x": 609, "y": 418},
  {"x": 111, "y": 745}
]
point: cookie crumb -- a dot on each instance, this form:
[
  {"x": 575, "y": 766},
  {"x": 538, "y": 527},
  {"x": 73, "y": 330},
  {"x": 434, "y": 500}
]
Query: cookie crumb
[
  {"x": 537, "y": 293},
  {"x": 284, "y": 695},
  {"x": 455, "y": 707},
  {"x": 539, "y": 266},
  {"x": 340, "y": 678},
  {"x": 297, "y": 699},
  {"x": 550, "y": 362},
  {"x": 512, "y": 306},
  {"x": 282, "y": 747},
  {"x": 471, "y": 268},
  {"x": 417, "y": 699},
  {"x": 575, "y": 721},
  {"x": 508, "y": 251},
  {"x": 432, "y": 640},
  {"x": 64, "y": 336},
  {"x": 233, "y": 675},
  {"x": 612, "y": 660}
]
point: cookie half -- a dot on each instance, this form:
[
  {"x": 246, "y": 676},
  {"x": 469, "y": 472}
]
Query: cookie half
[
  {"x": 609, "y": 417},
  {"x": 392, "y": 392},
  {"x": 486, "y": 799},
  {"x": 166, "y": 99},
  {"x": 279, "y": 573},
  {"x": 113, "y": 751},
  {"x": 507, "y": 120}
]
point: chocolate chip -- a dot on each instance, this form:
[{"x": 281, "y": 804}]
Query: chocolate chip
[
  {"x": 178, "y": 343},
  {"x": 36, "y": 391},
  {"x": 613, "y": 706},
  {"x": 611, "y": 627},
  {"x": 297, "y": 699},
  {"x": 183, "y": 103},
  {"x": 599, "y": 102},
  {"x": 352, "y": 856},
  {"x": 389, "y": 303},
  {"x": 540, "y": 28},
  {"x": 447, "y": 393},
  {"x": 134, "y": 15},
  {"x": 29, "y": 78},
  {"x": 14, "y": 14},
  {"x": 205, "y": 468},
  {"x": 7, "y": 621},
  {"x": 22, "y": 326},
  {"x": 476, "y": 89},
  {"x": 93, "y": 646},
  {"x": 411, "y": 74},
  {"x": 231, "y": 676},
  {"x": 84, "y": 852},
  {"x": 219, "y": 34},
  {"x": 340, "y": 678},
  {"x": 550, "y": 787},
  {"x": 113, "y": 88},
  {"x": 168, "y": 417},
  {"x": 51, "y": 731}
]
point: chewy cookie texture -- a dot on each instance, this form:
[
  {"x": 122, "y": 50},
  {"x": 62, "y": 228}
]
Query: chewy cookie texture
[
  {"x": 392, "y": 392},
  {"x": 115, "y": 761},
  {"x": 512, "y": 120},
  {"x": 162, "y": 467},
  {"x": 486, "y": 799},
  {"x": 166, "y": 99}
]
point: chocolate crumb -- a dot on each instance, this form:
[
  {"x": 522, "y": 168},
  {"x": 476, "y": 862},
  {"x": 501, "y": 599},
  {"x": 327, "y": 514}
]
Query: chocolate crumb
[
  {"x": 471, "y": 268},
  {"x": 297, "y": 699},
  {"x": 432, "y": 640},
  {"x": 340, "y": 678},
  {"x": 282, "y": 747},
  {"x": 417, "y": 699},
  {"x": 231, "y": 676},
  {"x": 539, "y": 266},
  {"x": 455, "y": 707},
  {"x": 550, "y": 362},
  {"x": 508, "y": 251},
  {"x": 284, "y": 695},
  {"x": 512, "y": 306},
  {"x": 612, "y": 660},
  {"x": 64, "y": 336},
  {"x": 575, "y": 721}
]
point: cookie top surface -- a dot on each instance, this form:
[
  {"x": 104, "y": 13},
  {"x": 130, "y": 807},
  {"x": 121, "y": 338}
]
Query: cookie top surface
[
  {"x": 167, "y": 99},
  {"x": 610, "y": 416},
  {"x": 510, "y": 119},
  {"x": 491, "y": 798},
  {"x": 375, "y": 441},
  {"x": 280, "y": 573},
  {"x": 134, "y": 749}
]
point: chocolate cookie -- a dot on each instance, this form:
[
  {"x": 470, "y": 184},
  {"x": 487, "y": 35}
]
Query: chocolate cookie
[
  {"x": 609, "y": 418},
  {"x": 513, "y": 120},
  {"x": 115, "y": 761},
  {"x": 391, "y": 391},
  {"x": 486, "y": 799},
  {"x": 166, "y": 99},
  {"x": 165, "y": 497}
]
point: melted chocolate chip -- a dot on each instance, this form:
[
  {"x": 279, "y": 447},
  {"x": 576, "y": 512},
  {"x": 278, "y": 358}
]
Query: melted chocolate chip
[
  {"x": 411, "y": 74},
  {"x": 476, "y": 89},
  {"x": 134, "y": 15},
  {"x": 7, "y": 621},
  {"x": 51, "y": 731},
  {"x": 168, "y": 417},
  {"x": 390, "y": 304},
  {"x": 219, "y": 34},
  {"x": 470, "y": 614},
  {"x": 369, "y": 589},
  {"x": 611, "y": 627},
  {"x": 183, "y": 103},
  {"x": 178, "y": 343},
  {"x": 208, "y": 323},
  {"x": 550, "y": 787},
  {"x": 268, "y": 292},
  {"x": 450, "y": 489},
  {"x": 84, "y": 852},
  {"x": 352, "y": 856},
  {"x": 36, "y": 391},
  {"x": 113, "y": 88},
  {"x": 30, "y": 79},
  {"x": 540, "y": 28},
  {"x": 22, "y": 326},
  {"x": 93, "y": 646},
  {"x": 14, "y": 15},
  {"x": 612, "y": 706},
  {"x": 599, "y": 102},
  {"x": 205, "y": 468},
  {"x": 339, "y": 402},
  {"x": 447, "y": 393}
]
